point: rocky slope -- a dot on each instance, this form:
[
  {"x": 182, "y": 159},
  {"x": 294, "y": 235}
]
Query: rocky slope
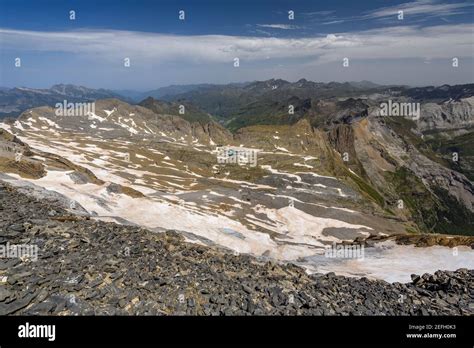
[
  {"x": 452, "y": 114},
  {"x": 438, "y": 199},
  {"x": 91, "y": 267}
]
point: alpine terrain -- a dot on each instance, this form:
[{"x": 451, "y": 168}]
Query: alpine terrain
[{"x": 252, "y": 188}]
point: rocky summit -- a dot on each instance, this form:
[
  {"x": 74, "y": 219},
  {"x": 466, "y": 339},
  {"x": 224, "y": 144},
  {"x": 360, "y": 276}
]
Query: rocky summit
[{"x": 88, "y": 267}]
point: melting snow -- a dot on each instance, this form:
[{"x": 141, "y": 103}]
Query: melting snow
[
  {"x": 395, "y": 263},
  {"x": 92, "y": 116},
  {"x": 49, "y": 122},
  {"x": 109, "y": 112}
]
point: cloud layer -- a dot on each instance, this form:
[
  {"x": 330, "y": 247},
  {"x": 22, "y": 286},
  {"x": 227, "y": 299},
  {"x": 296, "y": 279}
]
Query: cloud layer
[
  {"x": 445, "y": 41},
  {"x": 391, "y": 55},
  {"x": 419, "y": 10}
]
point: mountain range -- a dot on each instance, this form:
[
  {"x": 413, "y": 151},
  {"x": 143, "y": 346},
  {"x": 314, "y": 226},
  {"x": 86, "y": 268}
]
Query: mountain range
[
  {"x": 14, "y": 101},
  {"x": 333, "y": 170}
]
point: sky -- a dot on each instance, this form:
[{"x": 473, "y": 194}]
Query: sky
[{"x": 93, "y": 49}]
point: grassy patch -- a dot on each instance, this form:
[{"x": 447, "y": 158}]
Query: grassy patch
[
  {"x": 439, "y": 213},
  {"x": 366, "y": 188}
]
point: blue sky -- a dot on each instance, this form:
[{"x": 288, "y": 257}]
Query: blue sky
[{"x": 163, "y": 50}]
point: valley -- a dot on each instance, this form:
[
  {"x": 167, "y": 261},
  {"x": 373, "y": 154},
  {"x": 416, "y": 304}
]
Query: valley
[{"x": 337, "y": 173}]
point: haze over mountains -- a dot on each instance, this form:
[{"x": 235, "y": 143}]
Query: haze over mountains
[
  {"x": 13, "y": 101},
  {"x": 224, "y": 101}
]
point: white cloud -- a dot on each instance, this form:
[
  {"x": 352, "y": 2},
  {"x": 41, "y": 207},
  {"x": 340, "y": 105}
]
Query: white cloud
[
  {"x": 423, "y": 9},
  {"x": 279, "y": 26},
  {"x": 318, "y": 13},
  {"x": 444, "y": 41}
]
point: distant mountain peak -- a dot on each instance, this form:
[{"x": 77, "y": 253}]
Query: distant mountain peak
[{"x": 16, "y": 100}]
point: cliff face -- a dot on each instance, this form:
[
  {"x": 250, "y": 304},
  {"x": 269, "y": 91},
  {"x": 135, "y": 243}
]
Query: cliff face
[
  {"x": 447, "y": 115},
  {"x": 341, "y": 138},
  {"x": 211, "y": 132},
  {"x": 412, "y": 185},
  {"x": 16, "y": 157}
]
